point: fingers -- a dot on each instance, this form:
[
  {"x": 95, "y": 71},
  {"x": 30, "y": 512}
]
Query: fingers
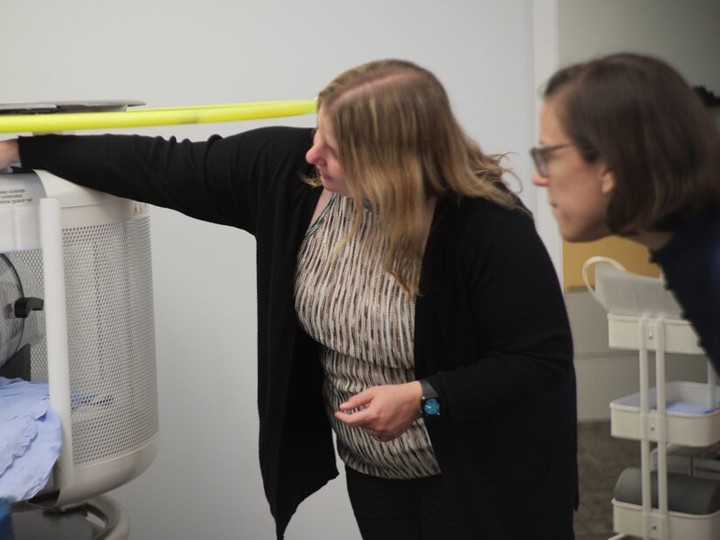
[
  {"x": 363, "y": 420},
  {"x": 353, "y": 419},
  {"x": 354, "y": 412},
  {"x": 381, "y": 411},
  {"x": 355, "y": 402}
]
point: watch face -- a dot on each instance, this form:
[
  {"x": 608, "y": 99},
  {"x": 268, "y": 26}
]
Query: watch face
[{"x": 431, "y": 407}]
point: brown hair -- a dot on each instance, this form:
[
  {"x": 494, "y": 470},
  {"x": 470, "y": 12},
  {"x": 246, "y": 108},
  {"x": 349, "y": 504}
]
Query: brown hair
[
  {"x": 400, "y": 144},
  {"x": 641, "y": 118}
]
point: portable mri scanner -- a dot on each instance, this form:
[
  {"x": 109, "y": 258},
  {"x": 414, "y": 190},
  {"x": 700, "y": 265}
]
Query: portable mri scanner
[{"x": 77, "y": 298}]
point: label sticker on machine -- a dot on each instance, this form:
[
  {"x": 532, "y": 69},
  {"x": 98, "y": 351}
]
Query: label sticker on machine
[{"x": 22, "y": 189}]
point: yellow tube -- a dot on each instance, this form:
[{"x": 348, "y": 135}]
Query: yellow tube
[
  {"x": 194, "y": 114},
  {"x": 243, "y": 104}
]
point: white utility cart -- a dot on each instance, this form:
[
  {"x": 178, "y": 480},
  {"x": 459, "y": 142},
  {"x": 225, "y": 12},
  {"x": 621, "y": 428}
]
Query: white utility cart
[{"x": 675, "y": 495}]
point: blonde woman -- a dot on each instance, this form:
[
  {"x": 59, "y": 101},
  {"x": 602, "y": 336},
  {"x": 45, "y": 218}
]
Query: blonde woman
[{"x": 405, "y": 301}]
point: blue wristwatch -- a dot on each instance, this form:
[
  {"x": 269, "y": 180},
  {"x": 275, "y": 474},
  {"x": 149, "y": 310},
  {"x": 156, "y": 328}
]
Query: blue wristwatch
[{"x": 430, "y": 402}]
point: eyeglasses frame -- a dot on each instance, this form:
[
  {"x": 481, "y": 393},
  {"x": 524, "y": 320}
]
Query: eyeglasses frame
[{"x": 539, "y": 155}]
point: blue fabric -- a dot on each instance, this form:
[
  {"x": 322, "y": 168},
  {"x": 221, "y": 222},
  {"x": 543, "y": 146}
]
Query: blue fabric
[
  {"x": 30, "y": 438},
  {"x": 691, "y": 264}
]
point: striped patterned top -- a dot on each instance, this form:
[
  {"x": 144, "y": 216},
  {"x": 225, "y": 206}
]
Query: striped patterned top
[{"x": 365, "y": 323}]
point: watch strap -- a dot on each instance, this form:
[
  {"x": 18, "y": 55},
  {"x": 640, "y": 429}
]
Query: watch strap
[{"x": 427, "y": 389}]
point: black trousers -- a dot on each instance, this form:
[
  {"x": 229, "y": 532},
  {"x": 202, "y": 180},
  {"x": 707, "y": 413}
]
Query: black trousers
[{"x": 418, "y": 509}]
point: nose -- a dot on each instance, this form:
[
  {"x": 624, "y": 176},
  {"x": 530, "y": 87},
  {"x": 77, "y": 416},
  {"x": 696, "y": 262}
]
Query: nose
[
  {"x": 539, "y": 181},
  {"x": 312, "y": 155}
]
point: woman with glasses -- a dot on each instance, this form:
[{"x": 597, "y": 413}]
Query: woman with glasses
[
  {"x": 405, "y": 302},
  {"x": 628, "y": 148}
]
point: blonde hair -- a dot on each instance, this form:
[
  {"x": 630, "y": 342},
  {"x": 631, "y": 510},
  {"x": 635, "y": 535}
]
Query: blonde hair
[{"x": 399, "y": 145}]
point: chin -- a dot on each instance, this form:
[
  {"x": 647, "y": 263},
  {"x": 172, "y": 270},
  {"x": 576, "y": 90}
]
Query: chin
[{"x": 584, "y": 236}]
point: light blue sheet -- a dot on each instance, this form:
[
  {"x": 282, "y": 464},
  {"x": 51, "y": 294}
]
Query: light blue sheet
[{"x": 30, "y": 438}]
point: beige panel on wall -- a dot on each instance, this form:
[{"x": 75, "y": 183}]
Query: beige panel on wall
[{"x": 633, "y": 256}]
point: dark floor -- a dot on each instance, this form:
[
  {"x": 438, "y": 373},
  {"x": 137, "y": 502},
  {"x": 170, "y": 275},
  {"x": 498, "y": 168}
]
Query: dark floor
[{"x": 601, "y": 459}]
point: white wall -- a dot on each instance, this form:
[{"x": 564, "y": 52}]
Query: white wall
[
  {"x": 685, "y": 34},
  {"x": 545, "y": 62},
  {"x": 205, "y": 482}
]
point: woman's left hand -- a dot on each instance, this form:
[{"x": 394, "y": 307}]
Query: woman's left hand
[{"x": 384, "y": 411}]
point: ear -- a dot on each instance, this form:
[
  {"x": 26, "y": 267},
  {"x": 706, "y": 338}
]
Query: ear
[{"x": 607, "y": 180}]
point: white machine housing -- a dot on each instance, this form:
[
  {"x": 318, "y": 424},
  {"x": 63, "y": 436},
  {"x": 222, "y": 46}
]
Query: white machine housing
[{"x": 89, "y": 256}]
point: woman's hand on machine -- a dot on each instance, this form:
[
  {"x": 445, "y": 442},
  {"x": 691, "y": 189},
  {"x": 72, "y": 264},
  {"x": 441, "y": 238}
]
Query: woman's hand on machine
[
  {"x": 386, "y": 411},
  {"x": 9, "y": 153}
]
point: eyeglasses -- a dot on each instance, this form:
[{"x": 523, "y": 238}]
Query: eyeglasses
[{"x": 540, "y": 154}]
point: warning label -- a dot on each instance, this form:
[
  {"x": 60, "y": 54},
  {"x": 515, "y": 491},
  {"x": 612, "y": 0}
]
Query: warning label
[
  {"x": 15, "y": 196},
  {"x": 20, "y": 189}
]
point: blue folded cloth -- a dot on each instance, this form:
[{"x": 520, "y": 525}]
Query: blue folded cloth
[{"x": 30, "y": 438}]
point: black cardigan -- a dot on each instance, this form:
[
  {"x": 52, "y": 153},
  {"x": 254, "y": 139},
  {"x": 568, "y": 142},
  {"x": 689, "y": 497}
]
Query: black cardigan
[{"x": 491, "y": 331}]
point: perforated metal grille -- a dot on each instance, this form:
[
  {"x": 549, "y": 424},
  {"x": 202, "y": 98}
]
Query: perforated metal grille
[{"x": 110, "y": 337}]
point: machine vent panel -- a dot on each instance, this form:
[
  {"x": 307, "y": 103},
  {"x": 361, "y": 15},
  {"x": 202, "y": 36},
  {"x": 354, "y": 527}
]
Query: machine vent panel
[{"x": 111, "y": 337}]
